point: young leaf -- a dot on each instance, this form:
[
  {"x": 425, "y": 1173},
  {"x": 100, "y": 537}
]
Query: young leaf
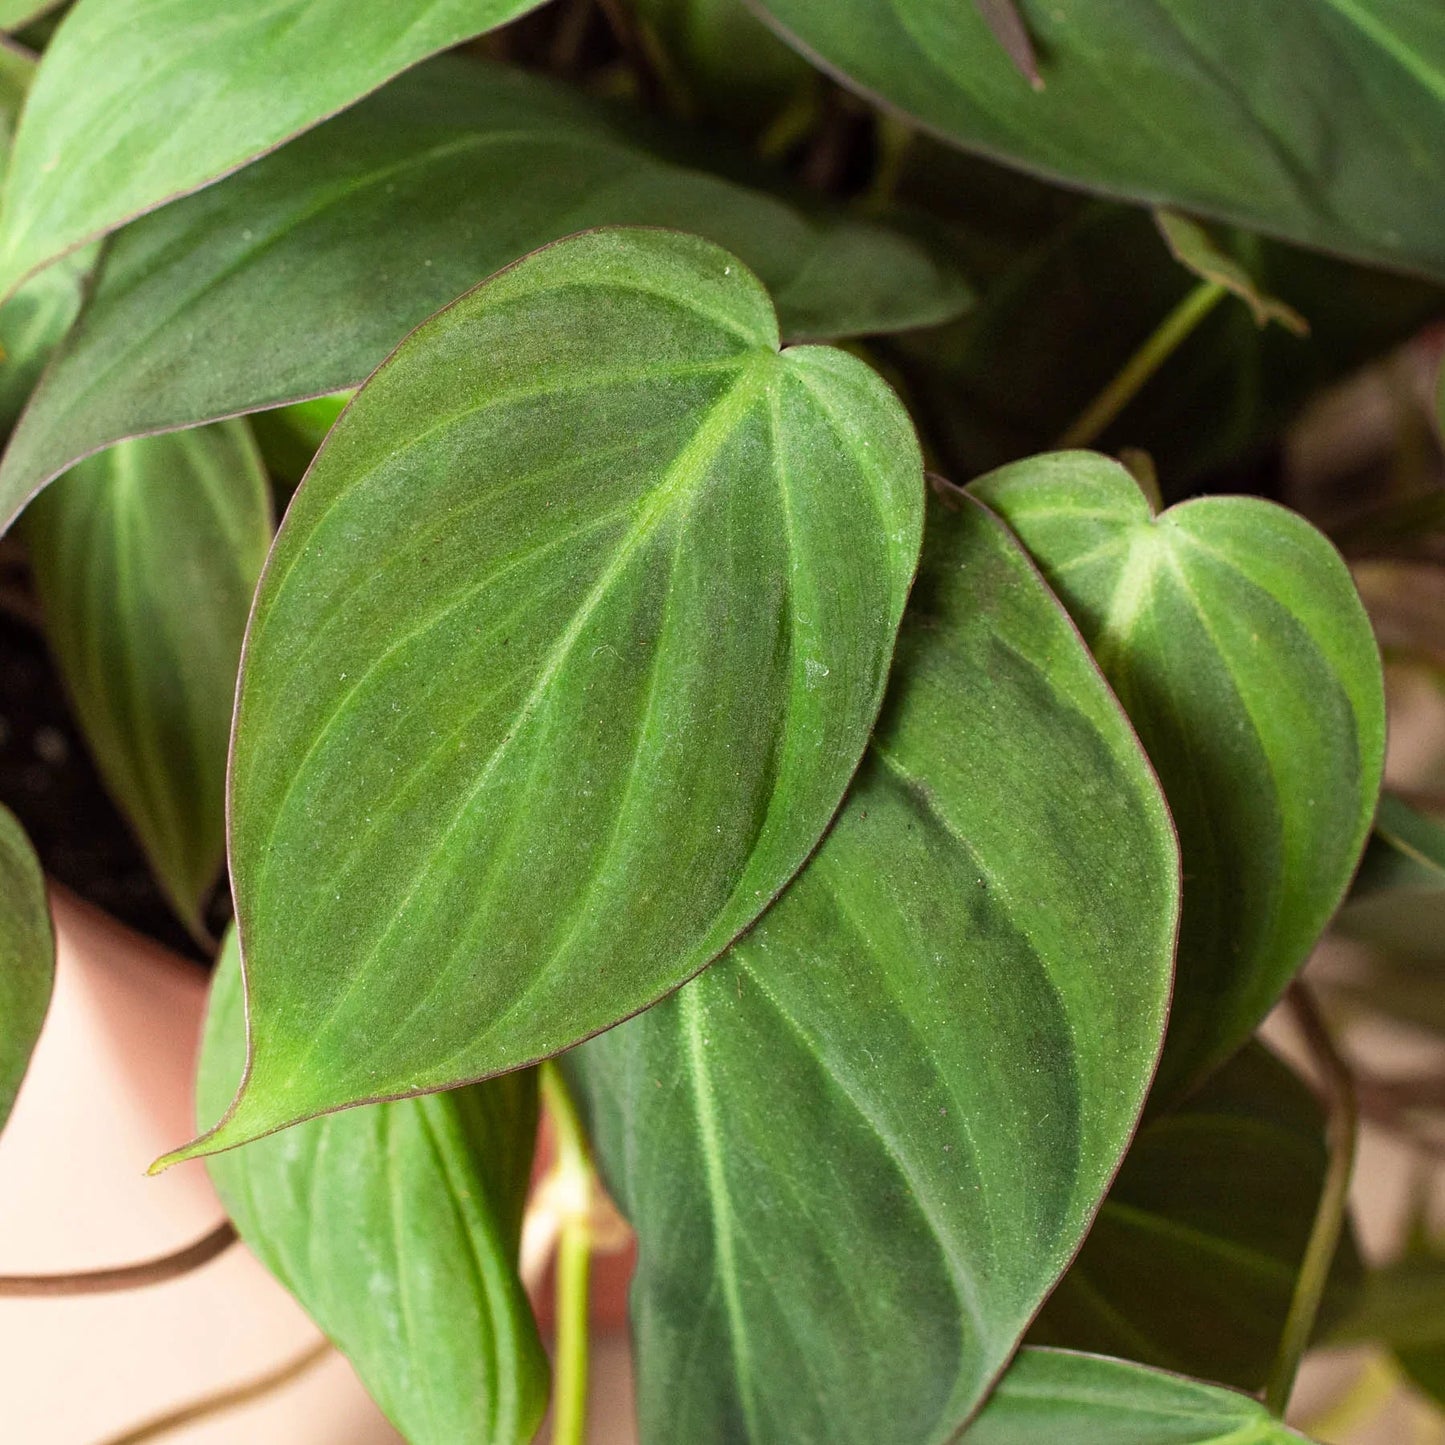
[
  {"x": 1213, "y": 108},
  {"x": 1217, "y": 1198},
  {"x": 145, "y": 560},
  {"x": 27, "y": 957},
  {"x": 397, "y": 1227},
  {"x": 567, "y": 650},
  {"x": 1091, "y": 1400},
  {"x": 228, "y": 302},
  {"x": 1233, "y": 636},
  {"x": 140, "y": 101},
  {"x": 859, "y": 1150},
  {"x": 1197, "y": 251}
]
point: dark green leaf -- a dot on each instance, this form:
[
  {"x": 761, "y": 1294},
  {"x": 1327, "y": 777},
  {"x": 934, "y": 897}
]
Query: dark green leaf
[
  {"x": 140, "y": 101},
  {"x": 145, "y": 559},
  {"x": 1398, "y": 901},
  {"x": 290, "y": 436},
  {"x": 567, "y": 650},
  {"x": 1218, "y": 1199},
  {"x": 27, "y": 957},
  {"x": 1234, "y": 637},
  {"x": 1196, "y": 250},
  {"x": 1287, "y": 116},
  {"x": 397, "y": 1227},
  {"x": 297, "y": 276},
  {"x": 859, "y": 1150},
  {"x": 1051, "y": 1395}
]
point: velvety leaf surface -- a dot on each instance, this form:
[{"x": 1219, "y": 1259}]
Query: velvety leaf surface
[
  {"x": 567, "y": 650},
  {"x": 860, "y": 1148},
  {"x": 1050, "y": 1395},
  {"x": 40, "y": 313},
  {"x": 145, "y": 560},
  {"x": 397, "y": 1227},
  {"x": 1234, "y": 637},
  {"x": 1218, "y": 1198},
  {"x": 300, "y": 274},
  {"x": 140, "y": 101},
  {"x": 27, "y": 957},
  {"x": 1287, "y": 116}
]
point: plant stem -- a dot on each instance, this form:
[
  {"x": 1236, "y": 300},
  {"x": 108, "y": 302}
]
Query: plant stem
[
  {"x": 223, "y": 1400},
  {"x": 574, "y": 1260},
  {"x": 1343, "y": 1132},
  {"x": 1170, "y": 334},
  {"x": 129, "y": 1276}
]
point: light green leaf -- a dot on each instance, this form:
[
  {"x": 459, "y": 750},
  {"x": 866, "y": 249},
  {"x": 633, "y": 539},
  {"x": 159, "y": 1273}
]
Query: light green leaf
[
  {"x": 27, "y": 957},
  {"x": 859, "y": 1150},
  {"x": 1234, "y": 637},
  {"x": 1052, "y": 1395},
  {"x": 140, "y": 101},
  {"x": 397, "y": 1227},
  {"x": 145, "y": 560},
  {"x": 1319, "y": 121},
  {"x": 1218, "y": 1199},
  {"x": 566, "y": 652},
  {"x": 299, "y": 275},
  {"x": 1196, "y": 250}
]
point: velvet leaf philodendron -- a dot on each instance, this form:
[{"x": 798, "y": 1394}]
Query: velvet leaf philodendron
[
  {"x": 397, "y": 1227},
  {"x": 1318, "y": 121},
  {"x": 227, "y": 301},
  {"x": 99, "y": 142},
  {"x": 1232, "y": 633},
  {"x": 27, "y": 957},
  {"x": 564, "y": 657},
  {"x": 945, "y": 1029},
  {"x": 145, "y": 559}
]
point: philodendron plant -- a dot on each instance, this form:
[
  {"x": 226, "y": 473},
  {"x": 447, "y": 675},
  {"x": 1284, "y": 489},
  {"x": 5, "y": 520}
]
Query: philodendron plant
[{"x": 782, "y": 651}]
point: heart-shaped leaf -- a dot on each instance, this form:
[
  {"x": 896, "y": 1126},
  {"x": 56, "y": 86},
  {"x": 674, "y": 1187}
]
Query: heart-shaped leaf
[
  {"x": 229, "y": 301},
  {"x": 1213, "y": 108},
  {"x": 859, "y": 1150},
  {"x": 397, "y": 1227},
  {"x": 1050, "y": 1395},
  {"x": 145, "y": 560},
  {"x": 1235, "y": 639},
  {"x": 27, "y": 957},
  {"x": 140, "y": 101},
  {"x": 566, "y": 652},
  {"x": 1217, "y": 1198}
]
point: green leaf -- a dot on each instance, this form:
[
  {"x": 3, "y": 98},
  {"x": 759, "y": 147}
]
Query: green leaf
[
  {"x": 566, "y": 652},
  {"x": 145, "y": 561},
  {"x": 229, "y": 302},
  {"x": 1197, "y": 251},
  {"x": 1214, "y": 108},
  {"x": 1218, "y": 1199},
  {"x": 397, "y": 1227},
  {"x": 27, "y": 957},
  {"x": 1234, "y": 637},
  {"x": 40, "y": 313},
  {"x": 1050, "y": 1395},
  {"x": 290, "y": 436},
  {"x": 140, "y": 101},
  {"x": 16, "y": 14},
  {"x": 859, "y": 1150}
]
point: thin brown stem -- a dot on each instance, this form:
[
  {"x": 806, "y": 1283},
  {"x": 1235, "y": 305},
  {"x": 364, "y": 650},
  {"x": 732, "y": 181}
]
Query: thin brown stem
[
  {"x": 223, "y": 1400},
  {"x": 128, "y": 1276},
  {"x": 1343, "y": 1137}
]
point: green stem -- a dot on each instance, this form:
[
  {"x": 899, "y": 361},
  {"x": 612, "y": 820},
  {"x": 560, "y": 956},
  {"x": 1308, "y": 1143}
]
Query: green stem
[
  {"x": 574, "y": 1261},
  {"x": 1344, "y": 1130},
  {"x": 1170, "y": 334}
]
